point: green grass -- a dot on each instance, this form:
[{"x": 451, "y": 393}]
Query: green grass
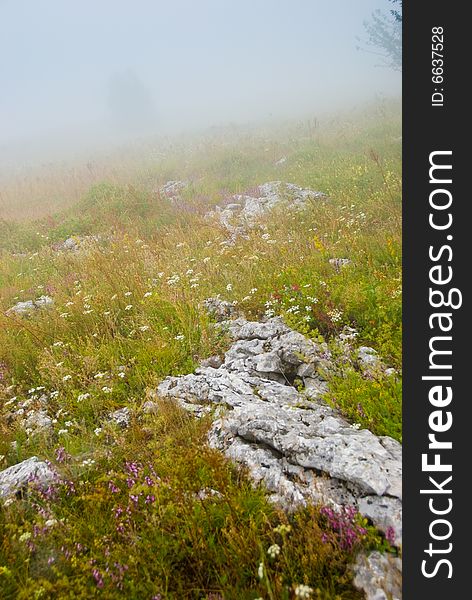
[{"x": 128, "y": 312}]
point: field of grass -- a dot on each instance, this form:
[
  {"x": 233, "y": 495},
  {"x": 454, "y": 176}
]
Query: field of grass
[{"x": 127, "y": 519}]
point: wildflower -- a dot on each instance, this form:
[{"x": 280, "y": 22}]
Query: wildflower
[
  {"x": 179, "y": 337},
  {"x": 24, "y": 537},
  {"x": 356, "y": 426},
  {"x": 106, "y": 390},
  {"x": 62, "y": 431},
  {"x": 50, "y": 522},
  {"x": 128, "y": 307},
  {"x": 97, "y": 430},
  {"x": 68, "y": 423},
  {"x": 260, "y": 570},
  {"x": 144, "y": 328},
  {"x": 88, "y": 462},
  {"x": 122, "y": 375},
  {"x": 229, "y": 287},
  {"x": 58, "y": 344},
  {"x": 303, "y": 591},
  {"x": 61, "y": 455},
  {"x": 335, "y": 315},
  {"x": 67, "y": 377},
  {"x": 390, "y": 535},
  {"x": 273, "y": 551},
  {"x": 147, "y": 294},
  {"x": 8, "y": 501}
]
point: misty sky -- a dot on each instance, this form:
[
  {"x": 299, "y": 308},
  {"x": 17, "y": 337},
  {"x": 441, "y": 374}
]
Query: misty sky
[{"x": 204, "y": 62}]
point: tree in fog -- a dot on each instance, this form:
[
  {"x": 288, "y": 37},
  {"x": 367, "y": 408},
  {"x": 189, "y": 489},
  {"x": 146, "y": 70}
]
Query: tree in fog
[
  {"x": 131, "y": 104},
  {"x": 384, "y": 34}
]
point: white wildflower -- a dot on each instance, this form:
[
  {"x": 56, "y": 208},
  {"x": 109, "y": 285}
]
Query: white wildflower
[
  {"x": 273, "y": 551},
  {"x": 303, "y": 591}
]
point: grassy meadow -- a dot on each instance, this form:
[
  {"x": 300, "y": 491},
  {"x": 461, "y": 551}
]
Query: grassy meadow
[{"x": 127, "y": 519}]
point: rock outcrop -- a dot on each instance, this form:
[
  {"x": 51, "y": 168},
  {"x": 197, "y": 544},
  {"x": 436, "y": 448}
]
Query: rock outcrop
[
  {"x": 172, "y": 189},
  {"x": 271, "y": 419},
  {"x": 241, "y": 211},
  {"x": 30, "y": 306}
]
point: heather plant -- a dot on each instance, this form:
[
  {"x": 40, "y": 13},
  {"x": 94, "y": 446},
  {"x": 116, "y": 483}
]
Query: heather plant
[{"x": 159, "y": 514}]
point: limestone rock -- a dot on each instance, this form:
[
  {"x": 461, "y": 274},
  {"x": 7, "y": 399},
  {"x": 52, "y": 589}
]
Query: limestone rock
[
  {"x": 121, "y": 417},
  {"x": 17, "y": 477},
  {"x": 379, "y": 576},
  {"x": 30, "y": 306},
  {"x": 38, "y": 421},
  {"x": 150, "y": 407},
  {"x": 299, "y": 448},
  {"x": 172, "y": 189},
  {"x": 220, "y": 310},
  {"x": 242, "y": 211},
  {"x": 339, "y": 263}
]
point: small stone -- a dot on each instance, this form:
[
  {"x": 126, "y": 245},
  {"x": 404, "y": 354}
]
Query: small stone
[
  {"x": 121, "y": 417},
  {"x": 368, "y": 357},
  {"x": 38, "y": 421},
  {"x": 150, "y": 407},
  {"x": 30, "y": 306},
  {"x": 220, "y": 310}
]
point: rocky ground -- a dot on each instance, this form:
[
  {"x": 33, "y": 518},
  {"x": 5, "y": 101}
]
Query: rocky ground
[{"x": 266, "y": 393}]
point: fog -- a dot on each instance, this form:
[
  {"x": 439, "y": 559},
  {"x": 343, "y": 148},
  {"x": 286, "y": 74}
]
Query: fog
[{"x": 82, "y": 74}]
